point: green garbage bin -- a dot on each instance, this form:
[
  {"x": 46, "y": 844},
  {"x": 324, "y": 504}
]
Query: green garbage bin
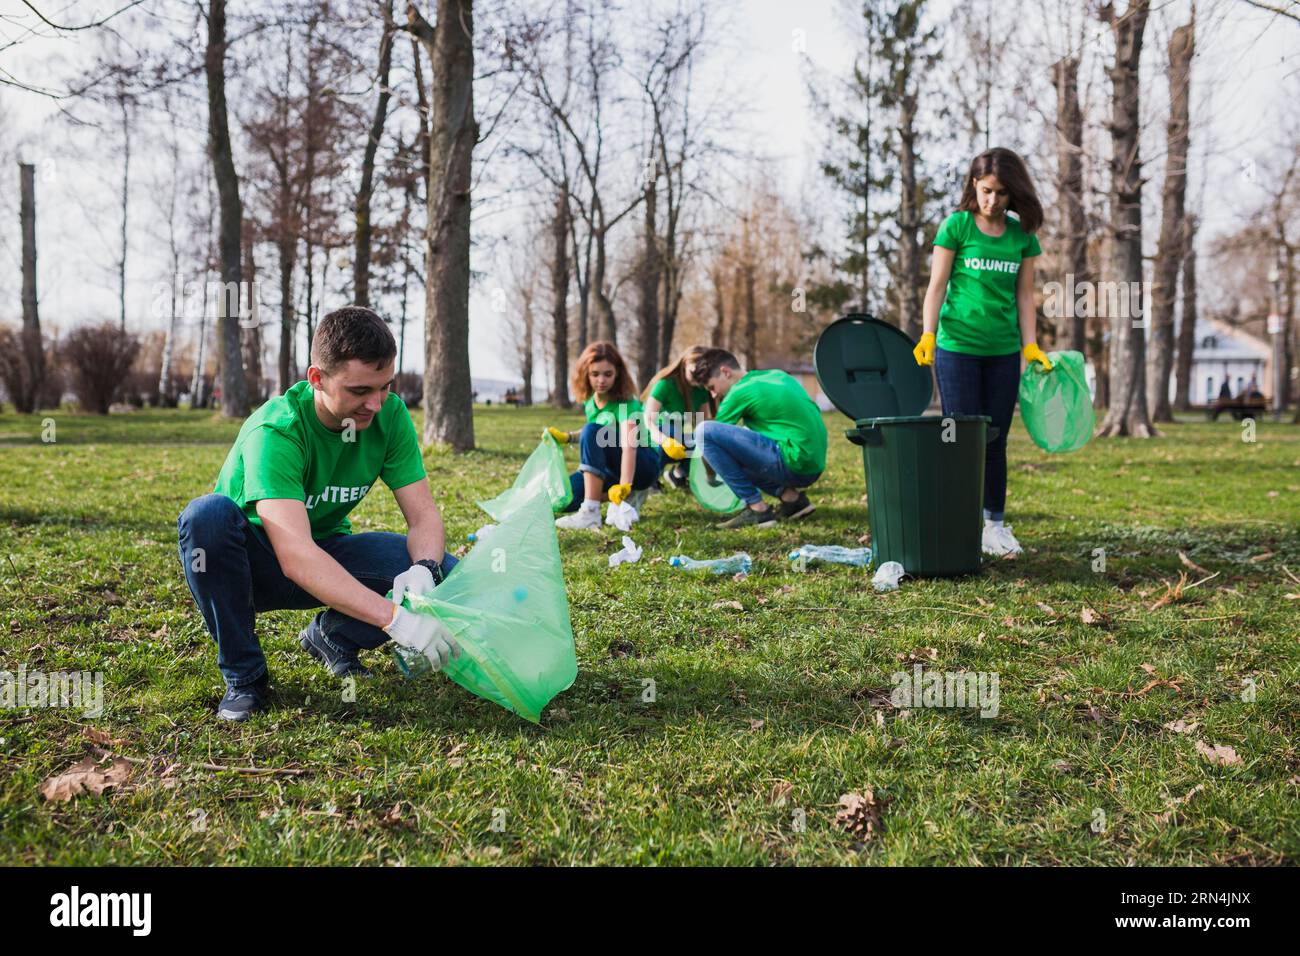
[{"x": 924, "y": 473}]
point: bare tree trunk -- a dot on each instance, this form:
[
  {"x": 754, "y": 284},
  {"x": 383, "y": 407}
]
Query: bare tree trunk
[
  {"x": 718, "y": 337},
  {"x": 448, "y": 393},
  {"x": 1127, "y": 414},
  {"x": 605, "y": 326},
  {"x": 33, "y": 364},
  {"x": 361, "y": 244},
  {"x": 250, "y": 326},
  {"x": 909, "y": 252},
  {"x": 1170, "y": 250},
  {"x": 124, "y": 103},
  {"x": 1069, "y": 187},
  {"x": 234, "y": 396},
  {"x": 526, "y": 351},
  {"x": 1187, "y": 331},
  {"x": 648, "y": 278},
  {"x": 560, "y": 300},
  {"x": 751, "y": 318}
]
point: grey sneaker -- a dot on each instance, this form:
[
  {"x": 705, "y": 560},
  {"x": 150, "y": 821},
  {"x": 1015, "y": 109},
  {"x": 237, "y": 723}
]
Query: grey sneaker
[
  {"x": 241, "y": 702},
  {"x": 801, "y": 507},
  {"x": 339, "y": 662},
  {"x": 749, "y": 518},
  {"x": 637, "y": 498}
]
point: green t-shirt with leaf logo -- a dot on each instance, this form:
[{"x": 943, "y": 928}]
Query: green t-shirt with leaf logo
[
  {"x": 283, "y": 451},
  {"x": 979, "y": 315}
]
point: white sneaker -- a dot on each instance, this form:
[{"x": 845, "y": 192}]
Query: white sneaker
[
  {"x": 999, "y": 541},
  {"x": 582, "y": 519}
]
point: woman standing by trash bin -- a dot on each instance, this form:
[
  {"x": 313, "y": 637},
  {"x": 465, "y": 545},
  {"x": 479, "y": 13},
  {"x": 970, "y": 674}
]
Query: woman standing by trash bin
[{"x": 981, "y": 304}]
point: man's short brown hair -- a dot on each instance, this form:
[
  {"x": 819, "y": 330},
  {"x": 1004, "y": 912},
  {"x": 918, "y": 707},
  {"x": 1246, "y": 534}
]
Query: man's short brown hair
[
  {"x": 352, "y": 332},
  {"x": 706, "y": 365}
]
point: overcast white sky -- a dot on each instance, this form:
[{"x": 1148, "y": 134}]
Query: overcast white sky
[{"x": 1254, "y": 57}]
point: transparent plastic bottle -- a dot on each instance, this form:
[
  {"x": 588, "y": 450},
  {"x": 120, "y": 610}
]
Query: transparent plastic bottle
[
  {"x": 738, "y": 563},
  {"x": 834, "y": 553},
  {"x": 410, "y": 663}
]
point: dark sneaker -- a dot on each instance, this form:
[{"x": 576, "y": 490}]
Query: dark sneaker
[
  {"x": 677, "y": 477},
  {"x": 240, "y": 702},
  {"x": 801, "y": 507},
  {"x": 339, "y": 662},
  {"x": 749, "y": 518}
]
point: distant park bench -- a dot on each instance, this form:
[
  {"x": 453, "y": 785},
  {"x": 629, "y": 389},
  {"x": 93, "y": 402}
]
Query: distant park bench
[
  {"x": 1241, "y": 407},
  {"x": 513, "y": 397}
]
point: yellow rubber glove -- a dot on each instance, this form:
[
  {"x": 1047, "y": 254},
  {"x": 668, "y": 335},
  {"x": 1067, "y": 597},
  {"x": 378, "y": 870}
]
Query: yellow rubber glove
[
  {"x": 618, "y": 492},
  {"x": 924, "y": 351},
  {"x": 1033, "y": 353},
  {"x": 674, "y": 449},
  {"x": 561, "y": 437}
]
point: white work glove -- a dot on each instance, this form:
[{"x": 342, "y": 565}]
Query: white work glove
[
  {"x": 621, "y": 516},
  {"x": 423, "y": 634},
  {"x": 417, "y": 579}
]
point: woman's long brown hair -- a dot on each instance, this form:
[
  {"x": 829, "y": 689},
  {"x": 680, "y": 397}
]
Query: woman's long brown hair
[
  {"x": 1012, "y": 173},
  {"x": 677, "y": 372},
  {"x": 624, "y": 386}
]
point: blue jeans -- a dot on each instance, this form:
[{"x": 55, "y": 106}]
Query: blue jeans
[
  {"x": 601, "y": 455},
  {"x": 748, "y": 462},
  {"x": 983, "y": 385},
  {"x": 236, "y": 575}
]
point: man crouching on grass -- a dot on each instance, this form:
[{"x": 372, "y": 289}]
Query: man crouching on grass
[{"x": 275, "y": 535}]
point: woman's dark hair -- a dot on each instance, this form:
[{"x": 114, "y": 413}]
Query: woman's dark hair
[
  {"x": 1011, "y": 172},
  {"x": 352, "y": 332},
  {"x": 624, "y": 387}
]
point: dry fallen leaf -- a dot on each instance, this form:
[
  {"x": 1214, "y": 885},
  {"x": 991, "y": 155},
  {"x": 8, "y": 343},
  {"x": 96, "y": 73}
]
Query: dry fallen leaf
[
  {"x": 1089, "y": 616},
  {"x": 781, "y": 792},
  {"x": 1148, "y": 668},
  {"x": 919, "y": 655},
  {"x": 981, "y": 602},
  {"x": 1177, "y": 802},
  {"x": 1046, "y": 609},
  {"x": 859, "y": 814},
  {"x": 733, "y": 605},
  {"x": 1262, "y": 557},
  {"x": 1221, "y": 754},
  {"x": 1181, "y": 726},
  {"x": 755, "y": 724},
  {"x": 101, "y": 737},
  {"x": 85, "y": 777}
]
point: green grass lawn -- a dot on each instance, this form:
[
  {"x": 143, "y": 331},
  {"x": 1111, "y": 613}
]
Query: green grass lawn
[{"x": 763, "y": 714}]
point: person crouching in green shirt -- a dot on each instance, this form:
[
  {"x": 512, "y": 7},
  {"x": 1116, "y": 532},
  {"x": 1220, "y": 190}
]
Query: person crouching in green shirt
[
  {"x": 782, "y": 449},
  {"x": 275, "y": 534}
]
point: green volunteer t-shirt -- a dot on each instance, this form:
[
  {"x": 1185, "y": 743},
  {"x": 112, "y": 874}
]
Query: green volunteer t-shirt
[
  {"x": 774, "y": 404},
  {"x": 673, "y": 403},
  {"x": 979, "y": 315},
  {"x": 283, "y": 451}
]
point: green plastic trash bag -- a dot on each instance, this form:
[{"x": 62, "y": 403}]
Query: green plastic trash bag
[
  {"x": 1056, "y": 406},
  {"x": 710, "y": 490},
  {"x": 543, "y": 473},
  {"x": 505, "y": 603}
]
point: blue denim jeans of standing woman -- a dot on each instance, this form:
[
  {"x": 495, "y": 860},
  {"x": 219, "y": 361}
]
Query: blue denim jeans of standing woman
[
  {"x": 234, "y": 575},
  {"x": 983, "y": 385}
]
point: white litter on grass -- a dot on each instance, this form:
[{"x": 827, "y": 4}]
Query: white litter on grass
[
  {"x": 887, "y": 576},
  {"x": 621, "y": 516},
  {"x": 629, "y": 555}
]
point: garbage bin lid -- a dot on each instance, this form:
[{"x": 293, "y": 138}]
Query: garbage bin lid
[{"x": 866, "y": 368}]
